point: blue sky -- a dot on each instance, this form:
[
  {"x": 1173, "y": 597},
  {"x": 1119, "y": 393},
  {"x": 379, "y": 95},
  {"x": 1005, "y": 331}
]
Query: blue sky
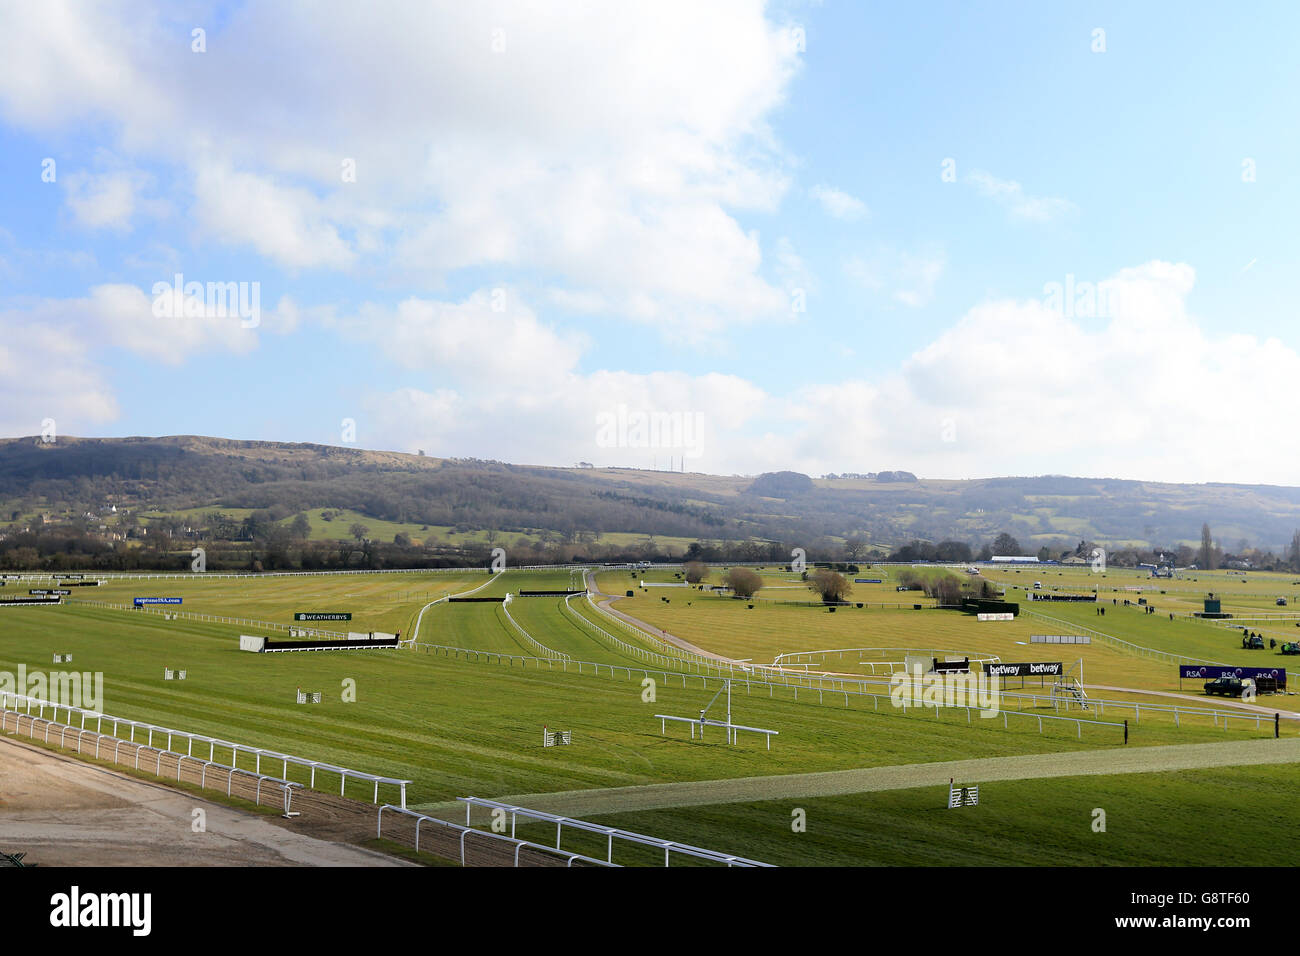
[{"x": 732, "y": 219}]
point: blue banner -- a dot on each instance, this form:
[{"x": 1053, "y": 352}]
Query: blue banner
[
  {"x": 1211, "y": 672},
  {"x": 142, "y": 601},
  {"x": 868, "y": 581}
]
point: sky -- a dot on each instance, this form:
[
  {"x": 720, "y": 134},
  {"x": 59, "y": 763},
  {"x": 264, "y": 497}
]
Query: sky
[{"x": 729, "y": 237}]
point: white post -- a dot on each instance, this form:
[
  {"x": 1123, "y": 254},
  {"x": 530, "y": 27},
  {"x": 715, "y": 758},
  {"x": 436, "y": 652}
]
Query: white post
[{"x": 728, "y": 700}]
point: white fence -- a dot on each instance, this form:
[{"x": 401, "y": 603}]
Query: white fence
[
  {"x": 531, "y": 641},
  {"x": 415, "y": 631},
  {"x": 254, "y": 575},
  {"x": 615, "y": 643},
  {"x": 465, "y": 831},
  {"x": 610, "y": 833},
  {"x": 805, "y": 658},
  {"x": 8, "y": 698},
  {"x": 79, "y": 735}
]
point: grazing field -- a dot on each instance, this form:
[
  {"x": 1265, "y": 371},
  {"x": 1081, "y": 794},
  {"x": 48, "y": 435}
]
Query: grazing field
[{"x": 457, "y": 725}]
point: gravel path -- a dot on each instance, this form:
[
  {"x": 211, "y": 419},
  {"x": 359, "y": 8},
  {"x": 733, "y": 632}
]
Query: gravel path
[
  {"x": 63, "y": 812},
  {"x": 584, "y": 803}
]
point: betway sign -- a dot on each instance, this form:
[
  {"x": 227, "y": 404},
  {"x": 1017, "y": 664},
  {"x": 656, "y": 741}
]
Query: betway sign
[{"x": 1024, "y": 670}]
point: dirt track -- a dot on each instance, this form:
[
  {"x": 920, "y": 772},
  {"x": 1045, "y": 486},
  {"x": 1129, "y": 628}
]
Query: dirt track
[
  {"x": 580, "y": 803},
  {"x": 64, "y": 812}
]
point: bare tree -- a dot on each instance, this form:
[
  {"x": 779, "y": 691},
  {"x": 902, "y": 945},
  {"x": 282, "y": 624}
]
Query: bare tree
[
  {"x": 831, "y": 585},
  {"x": 744, "y": 583},
  {"x": 696, "y": 571}
]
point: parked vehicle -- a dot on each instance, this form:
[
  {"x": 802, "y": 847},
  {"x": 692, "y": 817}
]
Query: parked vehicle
[
  {"x": 1253, "y": 643},
  {"x": 1228, "y": 686},
  {"x": 1291, "y": 647}
]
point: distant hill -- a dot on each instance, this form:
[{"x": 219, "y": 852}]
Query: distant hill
[{"x": 174, "y": 474}]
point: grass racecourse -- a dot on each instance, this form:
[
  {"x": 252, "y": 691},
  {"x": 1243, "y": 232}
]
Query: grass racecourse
[{"x": 461, "y": 723}]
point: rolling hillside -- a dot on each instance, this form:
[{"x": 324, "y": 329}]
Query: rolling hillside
[{"x": 192, "y": 475}]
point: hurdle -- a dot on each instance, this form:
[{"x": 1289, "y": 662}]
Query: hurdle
[
  {"x": 962, "y": 796},
  {"x": 308, "y": 697},
  {"x": 63, "y": 658},
  {"x": 556, "y": 738},
  {"x": 169, "y": 674}
]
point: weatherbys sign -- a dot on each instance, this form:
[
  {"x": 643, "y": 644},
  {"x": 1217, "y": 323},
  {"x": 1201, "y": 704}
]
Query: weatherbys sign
[
  {"x": 141, "y": 601},
  {"x": 1209, "y": 672},
  {"x": 1053, "y": 669},
  {"x": 322, "y": 616}
]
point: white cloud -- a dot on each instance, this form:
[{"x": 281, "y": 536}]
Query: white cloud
[
  {"x": 609, "y": 153},
  {"x": 506, "y": 380},
  {"x": 47, "y": 373},
  {"x": 492, "y": 338},
  {"x": 288, "y": 225},
  {"x": 112, "y": 197},
  {"x": 1013, "y": 387},
  {"x": 906, "y": 277},
  {"x": 1009, "y": 193},
  {"x": 548, "y": 418},
  {"x": 1145, "y": 393},
  {"x": 99, "y": 202},
  {"x": 168, "y": 327},
  {"x": 791, "y": 268},
  {"x": 839, "y": 204}
]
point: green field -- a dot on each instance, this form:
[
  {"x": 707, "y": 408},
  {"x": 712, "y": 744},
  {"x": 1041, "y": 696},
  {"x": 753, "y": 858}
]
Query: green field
[
  {"x": 1155, "y": 819},
  {"x": 457, "y": 725}
]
